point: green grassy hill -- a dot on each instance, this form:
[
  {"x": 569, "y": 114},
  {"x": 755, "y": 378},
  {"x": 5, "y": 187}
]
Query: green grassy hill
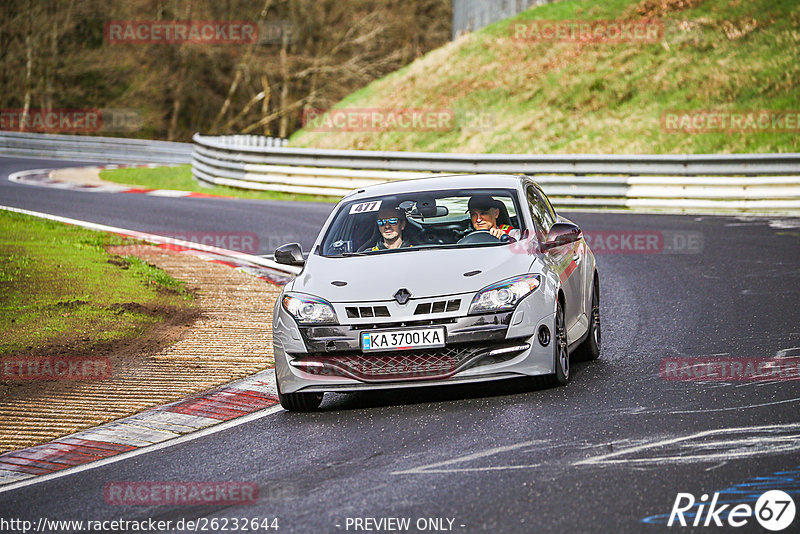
[{"x": 512, "y": 96}]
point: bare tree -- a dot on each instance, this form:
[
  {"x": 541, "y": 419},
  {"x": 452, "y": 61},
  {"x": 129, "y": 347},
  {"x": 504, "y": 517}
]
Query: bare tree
[{"x": 54, "y": 55}]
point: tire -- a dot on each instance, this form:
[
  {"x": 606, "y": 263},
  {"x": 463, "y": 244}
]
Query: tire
[
  {"x": 300, "y": 402},
  {"x": 560, "y": 351},
  {"x": 590, "y": 348}
]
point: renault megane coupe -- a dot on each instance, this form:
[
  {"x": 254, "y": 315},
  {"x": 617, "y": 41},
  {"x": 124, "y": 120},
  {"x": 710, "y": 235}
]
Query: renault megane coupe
[{"x": 442, "y": 280}]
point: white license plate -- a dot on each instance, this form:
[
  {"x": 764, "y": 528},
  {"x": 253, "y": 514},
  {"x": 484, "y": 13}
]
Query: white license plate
[{"x": 411, "y": 338}]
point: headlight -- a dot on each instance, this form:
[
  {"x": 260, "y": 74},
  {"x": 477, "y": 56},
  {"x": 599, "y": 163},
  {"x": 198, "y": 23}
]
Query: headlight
[
  {"x": 309, "y": 310},
  {"x": 504, "y": 295}
]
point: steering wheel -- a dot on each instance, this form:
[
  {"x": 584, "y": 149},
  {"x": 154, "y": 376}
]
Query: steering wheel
[{"x": 482, "y": 236}]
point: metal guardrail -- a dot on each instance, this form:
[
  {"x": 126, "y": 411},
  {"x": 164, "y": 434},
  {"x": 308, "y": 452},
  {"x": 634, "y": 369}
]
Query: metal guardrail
[
  {"x": 578, "y": 164},
  {"x": 738, "y": 182},
  {"x": 90, "y": 148},
  {"x": 250, "y": 140}
]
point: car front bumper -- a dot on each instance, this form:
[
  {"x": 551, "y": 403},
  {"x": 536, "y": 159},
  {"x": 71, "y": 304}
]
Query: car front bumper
[{"x": 477, "y": 348}]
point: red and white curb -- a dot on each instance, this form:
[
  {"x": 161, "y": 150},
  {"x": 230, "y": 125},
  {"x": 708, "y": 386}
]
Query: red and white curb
[
  {"x": 154, "y": 428},
  {"x": 43, "y": 178}
]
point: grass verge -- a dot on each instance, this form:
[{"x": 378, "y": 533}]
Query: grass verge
[
  {"x": 516, "y": 96},
  {"x": 180, "y": 178},
  {"x": 61, "y": 292}
]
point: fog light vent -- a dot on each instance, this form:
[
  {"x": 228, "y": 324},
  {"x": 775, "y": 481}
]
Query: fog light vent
[{"x": 544, "y": 336}]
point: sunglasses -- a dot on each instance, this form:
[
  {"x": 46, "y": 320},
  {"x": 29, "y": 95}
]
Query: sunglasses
[{"x": 382, "y": 222}]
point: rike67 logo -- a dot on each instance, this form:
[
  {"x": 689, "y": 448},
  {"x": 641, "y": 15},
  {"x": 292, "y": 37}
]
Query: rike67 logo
[{"x": 774, "y": 510}]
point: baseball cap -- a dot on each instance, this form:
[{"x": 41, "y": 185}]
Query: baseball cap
[{"x": 482, "y": 202}]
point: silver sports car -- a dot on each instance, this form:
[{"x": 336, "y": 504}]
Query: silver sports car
[{"x": 444, "y": 280}]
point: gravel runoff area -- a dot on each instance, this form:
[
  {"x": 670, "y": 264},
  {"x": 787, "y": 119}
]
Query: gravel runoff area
[
  {"x": 80, "y": 175},
  {"x": 228, "y": 337}
]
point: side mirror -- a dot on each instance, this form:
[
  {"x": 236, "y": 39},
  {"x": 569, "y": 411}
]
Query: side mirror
[
  {"x": 561, "y": 233},
  {"x": 290, "y": 254}
]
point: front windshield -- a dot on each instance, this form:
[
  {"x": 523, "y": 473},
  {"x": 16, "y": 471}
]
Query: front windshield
[{"x": 414, "y": 221}]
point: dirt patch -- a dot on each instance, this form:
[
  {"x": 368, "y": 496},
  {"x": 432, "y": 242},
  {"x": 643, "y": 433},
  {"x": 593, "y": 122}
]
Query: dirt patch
[
  {"x": 136, "y": 307},
  {"x": 225, "y": 336},
  {"x": 70, "y": 304},
  {"x": 659, "y": 8},
  {"x": 119, "y": 262},
  {"x": 80, "y": 175}
]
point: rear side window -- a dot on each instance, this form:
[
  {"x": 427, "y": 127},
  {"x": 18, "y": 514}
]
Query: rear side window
[
  {"x": 550, "y": 210},
  {"x": 541, "y": 211}
]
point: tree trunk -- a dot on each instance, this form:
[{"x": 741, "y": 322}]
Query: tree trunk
[
  {"x": 238, "y": 75},
  {"x": 265, "y": 103},
  {"x": 26, "y": 106},
  {"x": 284, "y": 123}
]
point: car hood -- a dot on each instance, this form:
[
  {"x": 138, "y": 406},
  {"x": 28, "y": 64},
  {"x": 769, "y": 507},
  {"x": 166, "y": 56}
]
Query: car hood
[{"x": 425, "y": 273}]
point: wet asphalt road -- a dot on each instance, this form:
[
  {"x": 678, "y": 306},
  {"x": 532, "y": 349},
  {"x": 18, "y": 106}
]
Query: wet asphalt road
[{"x": 603, "y": 454}]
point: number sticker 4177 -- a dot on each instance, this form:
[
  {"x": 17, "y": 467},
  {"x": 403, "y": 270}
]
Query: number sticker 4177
[{"x": 365, "y": 207}]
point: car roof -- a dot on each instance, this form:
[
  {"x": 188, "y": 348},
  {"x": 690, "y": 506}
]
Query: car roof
[{"x": 453, "y": 181}]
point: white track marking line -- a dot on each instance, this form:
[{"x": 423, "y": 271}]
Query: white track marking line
[
  {"x": 715, "y": 466},
  {"x": 466, "y": 469},
  {"x": 144, "y": 450},
  {"x": 168, "y": 193},
  {"x": 6, "y": 476},
  {"x": 730, "y": 407},
  {"x": 431, "y": 468},
  {"x": 607, "y": 458}
]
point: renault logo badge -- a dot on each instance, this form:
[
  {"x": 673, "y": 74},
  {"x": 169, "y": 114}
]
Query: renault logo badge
[{"x": 402, "y": 295}]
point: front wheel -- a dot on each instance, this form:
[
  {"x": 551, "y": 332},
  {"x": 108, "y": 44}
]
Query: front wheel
[
  {"x": 590, "y": 348},
  {"x": 300, "y": 402},
  {"x": 560, "y": 351}
]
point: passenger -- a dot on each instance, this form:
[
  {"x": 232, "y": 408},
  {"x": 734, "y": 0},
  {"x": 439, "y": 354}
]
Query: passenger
[
  {"x": 391, "y": 223},
  {"x": 484, "y": 211}
]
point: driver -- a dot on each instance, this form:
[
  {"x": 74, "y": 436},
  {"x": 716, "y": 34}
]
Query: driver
[
  {"x": 391, "y": 223},
  {"x": 484, "y": 210}
]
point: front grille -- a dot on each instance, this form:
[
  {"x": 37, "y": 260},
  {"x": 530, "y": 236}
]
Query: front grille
[
  {"x": 418, "y": 322},
  {"x": 402, "y": 365},
  {"x": 357, "y": 312},
  {"x": 409, "y": 365},
  {"x": 440, "y": 306}
]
